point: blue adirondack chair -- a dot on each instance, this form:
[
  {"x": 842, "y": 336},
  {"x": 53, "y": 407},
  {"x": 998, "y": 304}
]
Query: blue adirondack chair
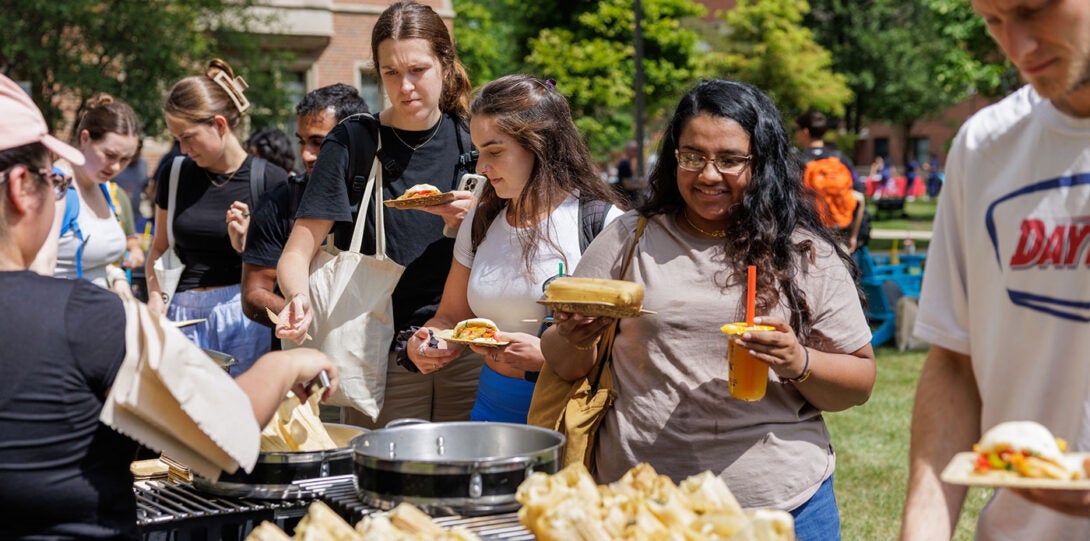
[{"x": 884, "y": 285}]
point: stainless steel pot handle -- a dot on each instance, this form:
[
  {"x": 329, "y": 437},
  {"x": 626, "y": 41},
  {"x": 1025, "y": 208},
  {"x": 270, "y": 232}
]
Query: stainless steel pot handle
[{"x": 406, "y": 422}]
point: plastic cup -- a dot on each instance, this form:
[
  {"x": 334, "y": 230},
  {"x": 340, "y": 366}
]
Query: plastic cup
[{"x": 747, "y": 377}]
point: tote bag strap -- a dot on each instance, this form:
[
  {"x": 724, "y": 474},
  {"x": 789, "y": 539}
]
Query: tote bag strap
[
  {"x": 172, "y": 196},
  {"x": 374, "y": 185},
  {"x": 605, "y": 349}
]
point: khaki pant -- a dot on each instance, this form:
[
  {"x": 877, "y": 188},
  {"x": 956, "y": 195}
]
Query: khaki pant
[{"x": 446, "y": 395}]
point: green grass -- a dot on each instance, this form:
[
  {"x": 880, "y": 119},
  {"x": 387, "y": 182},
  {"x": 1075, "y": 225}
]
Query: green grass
[
  {"x": 871, "y": 443},
  {"x": 919, "y": 216}
]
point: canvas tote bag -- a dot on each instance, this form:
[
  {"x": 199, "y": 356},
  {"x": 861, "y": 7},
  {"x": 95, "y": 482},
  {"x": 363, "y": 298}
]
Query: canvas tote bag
[
  {"x": 576, "y": 408},
  {"x": 168, "y": 268},
  {"x": 351, "y": 301}
]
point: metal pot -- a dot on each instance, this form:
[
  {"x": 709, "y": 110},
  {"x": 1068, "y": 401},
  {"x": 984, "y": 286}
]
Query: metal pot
[
  {"x": 275, "y": 475},
  {"x": 451, "y": 468}
]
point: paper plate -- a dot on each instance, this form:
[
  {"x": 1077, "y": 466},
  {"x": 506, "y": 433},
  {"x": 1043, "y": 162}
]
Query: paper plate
[
  {"x": 595, "y": 309},
  {"x": 960, "y": 472},
  {"x": 418, "y": 202},
  {"x": 447, "y": 335}
]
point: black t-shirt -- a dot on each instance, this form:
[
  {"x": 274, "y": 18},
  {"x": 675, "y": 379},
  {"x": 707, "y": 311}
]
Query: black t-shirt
[
  {"x": 63, "y": 474},
  {"x": 200, "y": 227},
  {"x": 270, "y": 224},
  {"x": 414, "y": 238}
]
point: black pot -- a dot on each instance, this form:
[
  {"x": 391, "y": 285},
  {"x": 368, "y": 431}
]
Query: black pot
[
  {"x": 462, "y": 468},
  {"x": 275, "y": 474}
]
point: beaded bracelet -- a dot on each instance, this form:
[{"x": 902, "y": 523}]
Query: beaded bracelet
[{"x": 805, "y": 369}]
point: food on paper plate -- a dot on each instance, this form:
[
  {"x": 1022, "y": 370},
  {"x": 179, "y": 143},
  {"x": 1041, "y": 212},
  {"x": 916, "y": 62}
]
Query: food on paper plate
[
  {"x": 420, "y": 190},
  {"x": 296, "y": 427},
  {"x": 619, "y": 293},
  {"x": 477, "y": 329},
  {"x": 642, "y": 505},
  {"x": 405, "y": 523},
  {"x": 1023, "y": 448}
]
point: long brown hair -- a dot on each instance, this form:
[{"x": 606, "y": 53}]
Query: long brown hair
[
  {"x": 409, "y": 20},
  {"x": 199, "y": 98},
  {"x": 537, "y": 117},
  {"x": 102, "y": 114}
]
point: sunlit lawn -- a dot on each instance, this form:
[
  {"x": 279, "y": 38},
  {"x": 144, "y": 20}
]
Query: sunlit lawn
[{"x": 871, "y": 443}]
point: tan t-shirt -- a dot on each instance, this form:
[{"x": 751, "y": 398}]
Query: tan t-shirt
[{"x": 673, "y": 409}]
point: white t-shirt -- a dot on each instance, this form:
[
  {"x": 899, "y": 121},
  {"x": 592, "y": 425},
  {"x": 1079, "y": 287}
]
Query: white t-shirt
[
  {"x": 673, "y": 409},
  {"x": 1007, "y": 283},
  {"x": 499, "y": 288},
  {"x": 104, "y": 244}
]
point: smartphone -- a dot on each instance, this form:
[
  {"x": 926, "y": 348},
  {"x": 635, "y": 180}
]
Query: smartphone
[{"x": 472, "y": 183}]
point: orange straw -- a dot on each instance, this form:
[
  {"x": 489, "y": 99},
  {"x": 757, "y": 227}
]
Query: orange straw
[{"x": 751, "y": 293}]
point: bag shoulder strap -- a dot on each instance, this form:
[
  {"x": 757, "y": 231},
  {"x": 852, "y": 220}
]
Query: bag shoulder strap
[
  {"x": 172, "y": 197},
  {"x": 257, "y": 180},
  {"x": 605, "y": 347},
  {"x": 373, "y": 186},
  {"x": 70, "y": 221},
  {"x": 362, "y": 153},
  {"x": 592, "y": 218}
]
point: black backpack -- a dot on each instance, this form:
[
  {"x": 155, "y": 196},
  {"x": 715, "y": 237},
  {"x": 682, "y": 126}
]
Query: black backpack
[{"x": 362, "y": 131}]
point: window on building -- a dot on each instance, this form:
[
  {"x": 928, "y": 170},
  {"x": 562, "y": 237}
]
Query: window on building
[
  {"x": 881, "y": 147},
  {"x": 369, "y": 89},
  {"x": 920, "y": 147}
]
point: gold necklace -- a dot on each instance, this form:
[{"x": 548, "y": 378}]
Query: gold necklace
[
  {"x": 426, "y": 141},
  {"x": 221, "y": 184},
  {"x": 714, "y": 234}
]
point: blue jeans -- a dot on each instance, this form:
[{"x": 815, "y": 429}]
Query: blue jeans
[{"x": 819, "y": 518}]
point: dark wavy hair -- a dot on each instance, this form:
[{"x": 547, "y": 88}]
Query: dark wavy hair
[
  {"x": 774, "y": 205},
  {"x": 410, "y": 20},
  {"x": 538, "y": 118},
  {"x": 345, "y": 101},
  {"x": 273, "y": 145}
]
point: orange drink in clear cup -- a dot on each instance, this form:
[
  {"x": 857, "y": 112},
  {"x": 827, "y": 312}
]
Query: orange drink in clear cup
[{"x": 748, "y": 377}]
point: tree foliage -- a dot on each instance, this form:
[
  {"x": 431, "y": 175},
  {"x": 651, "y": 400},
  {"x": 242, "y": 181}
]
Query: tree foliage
[
  {"x": 593, "y": 62},
  {"x": 134, "y": 49},
  {"x": 908, "y": 60},
  {"x": 765, "y": 45}
]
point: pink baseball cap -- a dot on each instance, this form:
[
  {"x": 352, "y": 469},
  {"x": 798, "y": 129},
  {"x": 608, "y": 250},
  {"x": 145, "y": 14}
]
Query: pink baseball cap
[{"x": 21, "y": 123}]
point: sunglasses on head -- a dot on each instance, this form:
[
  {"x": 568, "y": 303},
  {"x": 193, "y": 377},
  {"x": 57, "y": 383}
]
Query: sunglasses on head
[{"x": 59, "y": 182}]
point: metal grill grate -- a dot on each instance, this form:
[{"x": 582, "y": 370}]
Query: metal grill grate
[
  {"x": 344, "y": 500},
  {"x": 169, "y": 507}
]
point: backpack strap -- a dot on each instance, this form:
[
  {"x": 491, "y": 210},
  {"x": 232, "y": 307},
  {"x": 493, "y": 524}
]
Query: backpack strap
[
  {"x": 172, "y": 197},
  {"x": 109, "y": 190},
  {"x": 363, "y": 134},
  {"x": 592, "y": 218},
  {"x": 71, "y": 213},
  {"x": 257, "y": 181}
]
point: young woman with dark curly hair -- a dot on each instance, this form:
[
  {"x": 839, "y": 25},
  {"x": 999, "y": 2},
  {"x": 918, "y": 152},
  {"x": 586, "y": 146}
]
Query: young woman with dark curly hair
[{"x": 727, "y": 193}]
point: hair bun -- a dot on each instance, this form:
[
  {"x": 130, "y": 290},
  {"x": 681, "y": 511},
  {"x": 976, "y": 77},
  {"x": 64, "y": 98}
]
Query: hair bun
[{"x": 100, "y": 99}]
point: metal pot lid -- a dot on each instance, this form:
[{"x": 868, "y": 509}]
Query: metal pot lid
[{"x": 457, "y": 442}]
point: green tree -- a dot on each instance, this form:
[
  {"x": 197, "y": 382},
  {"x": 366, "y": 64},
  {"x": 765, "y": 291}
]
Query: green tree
[
  {"x": 908, "y": 60},
  {"x": 765, "y": 45},
  {"x": 593, "y": 62},
  {"x": 134, "y": 49}
]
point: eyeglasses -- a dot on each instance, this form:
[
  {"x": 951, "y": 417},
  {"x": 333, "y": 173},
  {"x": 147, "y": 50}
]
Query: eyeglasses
[
  {"x": 59, "y": 182},
  {"x": 726, "y": 165}
]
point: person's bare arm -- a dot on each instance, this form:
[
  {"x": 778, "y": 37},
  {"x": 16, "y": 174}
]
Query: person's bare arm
[
  {"x": 270, "y": 378},
  {"x": 570, "y": 346},
  {"x": 945, "y": 421},
  {"x": 293, "y": 273},
  {"x": 159, "y": 245},
  {"x": 259, "y": 292}
]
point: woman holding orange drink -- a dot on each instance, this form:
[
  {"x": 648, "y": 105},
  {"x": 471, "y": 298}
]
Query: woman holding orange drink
[{"x": 727, "y": 194}]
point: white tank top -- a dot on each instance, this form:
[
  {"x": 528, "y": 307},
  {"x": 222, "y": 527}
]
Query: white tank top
[{"x": 104, "y": 243}]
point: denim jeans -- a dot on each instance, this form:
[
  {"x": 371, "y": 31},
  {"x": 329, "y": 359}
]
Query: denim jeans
[{"x": 819, "y": 518}]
